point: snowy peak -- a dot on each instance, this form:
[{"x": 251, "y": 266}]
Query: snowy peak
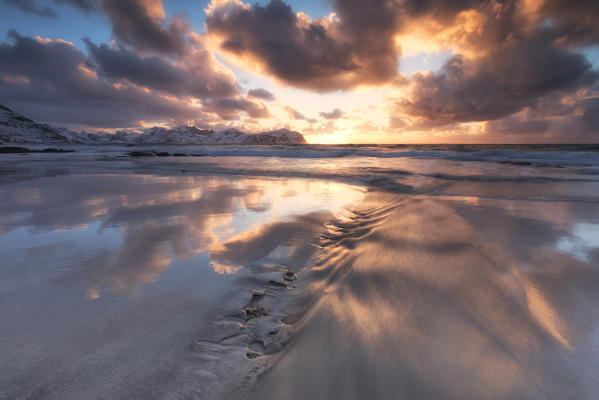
[
  {"x": 15, "y": 128},
  {"x": 280, "y": 136}
]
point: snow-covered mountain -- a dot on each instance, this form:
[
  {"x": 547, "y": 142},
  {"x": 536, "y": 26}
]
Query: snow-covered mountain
[{"x": 16, "y": 129}]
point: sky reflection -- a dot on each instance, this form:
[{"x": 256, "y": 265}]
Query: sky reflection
[
  {"x": 131, "y": 228},
  {"x": 428, "y": 297},
  {"x": 107, "y": 279}
]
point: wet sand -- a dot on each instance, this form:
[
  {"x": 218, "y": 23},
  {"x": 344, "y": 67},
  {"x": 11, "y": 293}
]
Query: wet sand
[
  {"x": 355, "y": 278},
  {"x": 434, "y": 298},
  {"x": 112, "y": 284}
]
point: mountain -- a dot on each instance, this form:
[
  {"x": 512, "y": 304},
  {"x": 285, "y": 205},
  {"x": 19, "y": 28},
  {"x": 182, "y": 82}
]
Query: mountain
[{"x": 16, "y": 129}]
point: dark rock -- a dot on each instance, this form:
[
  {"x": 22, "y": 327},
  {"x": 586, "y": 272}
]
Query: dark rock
[
  {"x": 277, "y": 283},
  {"x": 289, "y": 276},
  {"x": 551, "y": 166},
  {"x": 142, "y": 154},
  {"x": 23, "y": 119},
  {"x": 14, "y": 150},
  {"x": 162, "y": 154},
  {"x": 252, "y": 309},
  {"x": 180, "y": 155},
  {"x": 515, "y": 162},
  {"x": 252, "y": 354},
  {"x": 249, "y": 312},
  {"x": 52, "y": 150}
]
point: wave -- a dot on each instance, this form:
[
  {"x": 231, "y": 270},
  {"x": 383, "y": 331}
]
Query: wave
[
  {"x": 541, "y": 155},
  {"x": 519, "y": 155},
  {"x": 530, "y": 172}
]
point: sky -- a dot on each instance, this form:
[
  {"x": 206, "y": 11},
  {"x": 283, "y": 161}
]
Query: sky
[{"x": 338, "y": 71}]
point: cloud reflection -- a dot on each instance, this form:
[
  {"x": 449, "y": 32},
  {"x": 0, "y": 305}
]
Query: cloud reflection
[
  {"x": 422, "y": 295},
  {"x": 154, "y": 221}
]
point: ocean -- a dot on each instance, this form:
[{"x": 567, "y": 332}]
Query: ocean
[{"x": 296, "y": 272}]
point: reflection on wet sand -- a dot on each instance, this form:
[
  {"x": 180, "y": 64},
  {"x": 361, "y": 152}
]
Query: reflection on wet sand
[
  {"x": 404, "y": 296},
  {"x": 109, "y": 278},
  {"x": 430, "y": 298},
  {"x": 160, "y": 218}
]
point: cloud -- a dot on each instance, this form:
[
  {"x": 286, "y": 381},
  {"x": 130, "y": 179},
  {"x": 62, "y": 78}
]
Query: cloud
[
  {"x": 261, "y": 94},
  {"x": 510, "y": 65},
  {"x": 508, "y": 55},
  {"x": 85, "y": 5},
  {"x": 228, "y": 109},
  {"x": 197, "y": 75},
  {"x": 142, "y": 24},
  {"x": 480, "y": 90},
  {"x": 354, "y": 46},
  {"x": 590, "y": 114},
  {"x": 293, "y": 113},
  {"x": 558, "y": 118},
  {"x": 335, "y": 114},
  {"x": 52, "y": 81},
  {"x": 577, "y": 21},
  {"x": 321, "y": 54},
  {"x": 517, "y": 66},
  {"x": 516, "y": 126},
  {"x": 577, "y": 119},
  {"x": 29, "y": 6}
]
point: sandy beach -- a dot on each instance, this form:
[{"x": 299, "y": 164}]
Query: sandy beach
[
  {"x": 384, "y": 273},
  {"x": 299, "y": 200}
]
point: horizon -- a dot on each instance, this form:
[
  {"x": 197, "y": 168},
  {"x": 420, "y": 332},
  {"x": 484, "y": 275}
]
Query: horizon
[
  {"x": 142, "y": 130},
  {"x": 517, "y": 72}
]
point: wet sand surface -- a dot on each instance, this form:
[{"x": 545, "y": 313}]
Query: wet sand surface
[
  {"x": 430, "y": 298},
  {"x": 108, "y": 281},
  {"x": 276, "y": 278}
]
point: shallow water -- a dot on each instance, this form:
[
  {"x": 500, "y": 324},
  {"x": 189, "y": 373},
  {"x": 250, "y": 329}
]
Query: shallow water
[
  {"x": 108, "y": 279},
  {"x": 422, "y": 297},
  {"x": 349, "y": 272}
]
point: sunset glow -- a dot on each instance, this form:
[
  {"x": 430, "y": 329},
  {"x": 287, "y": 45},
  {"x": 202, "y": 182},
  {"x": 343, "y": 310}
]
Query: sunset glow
[{"x": 336, "y": 71}]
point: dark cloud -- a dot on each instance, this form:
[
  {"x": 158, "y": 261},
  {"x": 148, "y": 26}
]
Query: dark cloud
[
  {"x": 29, "y": 6},
  {"x": 517, "y": 126},
  {"x": 85, "y": 5},
  {"x": 482, "y": 90},
  {"x": 513, "y": 66},
  {"x": 304, "y": 54},
  {"x": 583, "y": 120},
  {"x": 293, "y": 113},
  {"x": 590, "y": 114},
  {"x": 370, "y": 27},
  {"x": 356, "y": 47},
  {"x": 261, "y": 94},
  {"x": 512, "y": 57},
  {"x": 576, "y": 120},
  {"x": 228, "y": 109},
  {"x": 141, "y": 24},
  {"x": 519, "y": 63},
  {"x": 576, "y": 20},
  {"x": 335, "y": 114},
  {"x": 52, "y": 81},
  {"x": 397, "y": 123},
  {"x": 198, "y": 78}
]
